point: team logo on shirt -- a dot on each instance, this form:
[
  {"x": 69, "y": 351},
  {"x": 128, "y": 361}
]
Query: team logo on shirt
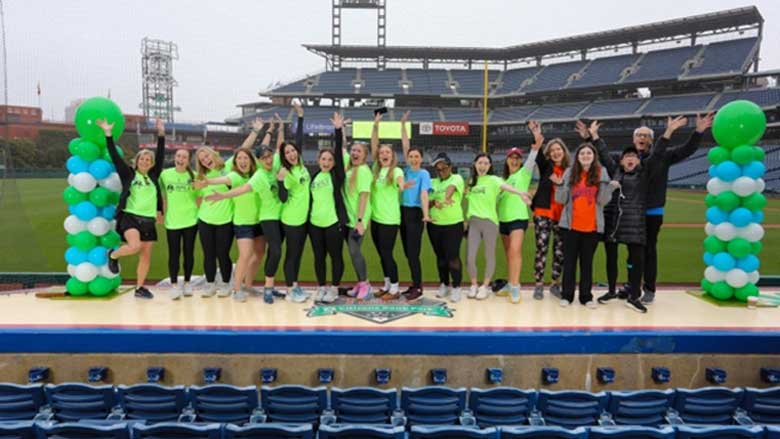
[
  {"x": 379, "y": 311},
  {"x": 179, "y": 186},
  {"x": 142, "y": 181}
]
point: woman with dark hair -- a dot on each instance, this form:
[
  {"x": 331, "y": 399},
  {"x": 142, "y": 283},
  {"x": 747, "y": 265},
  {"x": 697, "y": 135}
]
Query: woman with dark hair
[
  {"x": 446, "y": 227},
  {"x": 481, "y": 197},
  {"x": 584, "y": 191},
  {"x": 140, "y": 203}
]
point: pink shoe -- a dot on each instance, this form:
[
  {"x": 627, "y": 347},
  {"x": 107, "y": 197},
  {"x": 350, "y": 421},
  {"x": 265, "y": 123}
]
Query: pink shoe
[
  {"x": 354, "y": 291},
  {"x": 363, "y": 289}
]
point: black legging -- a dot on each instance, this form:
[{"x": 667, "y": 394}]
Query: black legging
[
  {"x": 296, "y": 239},
  {"x": 328, "y": 240},
  {"x": 578, "y": 246},
  {"x": 216, "y": 242},
  {"x": 383, "y": 236},
  {"x": 445, "y": 241},
  {"x": 272, "y": 231},
  {"x": 636, "y": 257},
  {"x": 411, "y": 237},
  {"x": 178, "y": 238}
]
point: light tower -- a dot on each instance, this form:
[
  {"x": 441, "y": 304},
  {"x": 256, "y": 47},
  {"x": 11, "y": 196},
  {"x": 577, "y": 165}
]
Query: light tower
[
  {"x": 157, "y": 76},
  {"x": 381, "y": 26}
]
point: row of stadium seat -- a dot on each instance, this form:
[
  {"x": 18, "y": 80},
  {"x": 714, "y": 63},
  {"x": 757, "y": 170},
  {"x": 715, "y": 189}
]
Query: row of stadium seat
[
  {"x": 29, "y": 430},
  {"x": 434, "y": 405}
]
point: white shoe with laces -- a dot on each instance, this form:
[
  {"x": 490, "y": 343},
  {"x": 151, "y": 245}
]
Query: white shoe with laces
[
  {"x": 472, "y": 292},
  {"x": 442, "y": 292},
  {"x": 483, "y": 293}
]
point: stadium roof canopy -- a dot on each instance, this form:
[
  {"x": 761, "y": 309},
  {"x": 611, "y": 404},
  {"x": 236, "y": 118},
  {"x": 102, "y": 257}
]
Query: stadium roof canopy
[{"x": 687, "y": 27}]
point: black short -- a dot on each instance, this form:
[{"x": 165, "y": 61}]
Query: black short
[
  {"x": 146, "y": 226},
  {"x": 250, "y": 231},
  {"x": 508, "y": 227}
]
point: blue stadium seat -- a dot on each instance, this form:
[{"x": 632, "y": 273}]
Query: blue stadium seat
[
  {"x": 17, "y": 430},
  {"x": 732, "y": 56},
  {"x": 152, "y": 402},
  {"x": 554, "y": 76},
  {"x": 452, "y": 432},
  {"x": 687, "y": 104},
  {"x": 762, "y": 405},
  {"x": 707, "y": 405},
  {"x": 20, "y": 402},
  {"x": 70, "y": 402},
  {"x": 543, "y": 433},
  {"x": 223, "y": 403},
  {"x": 267, "y": 431},
  {"x": 433, "y": 405},
  {"x": 339, "y": 82},
  {"x": 513, "y": 79},
  {"x": 558, "y": 111},
  {"x": 83, "y": 430},
  {"x": 501, "y": 406},
  {"x": 719, "y": 432},
  {"x": 293, "y": 404},
  {"x": 763, "y": 97},
  {"x": 363, "y": 405},
  {"x": 471, "y": 82},
  {"x": 571, "y": 408},
  {"x": 640, "y": 407},
  {"x": 622, "y": 107},
  {"x": 381, "y": 81},
  {"x": 428, "y": 82},
  {"x": 512, "y": 114},
  {"x": 360, "y": 432},
  {"x": 630, "y": 432},
  {"x": 177, "y": 430},
  {"x": 604, "y": 71},
  {"x": 662, "y": 64}
]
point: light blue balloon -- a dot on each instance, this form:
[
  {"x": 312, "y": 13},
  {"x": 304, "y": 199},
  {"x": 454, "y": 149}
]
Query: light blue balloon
[
  {"x": 724, "y": 261},
  {"x": 85, "y": 210},
  {"x": 716, "y": 216},
  {"x": 749, "y": 263},
  {"x": 740, "y": 217},
  {"x": 75, "y": 256},
  {"x": 76, "y": 164},
  {"x": 712, "y": 171},
  {"x": 708, "y": 258},
  {"x": 754, "y": 169},
  {"x": 100, "y": 169},
  {"x": 758, "y": 217},
  {"x": 728, "y": 171},
  {"x": 97, "y": 256},
  {"x": 108, "y": 212}
]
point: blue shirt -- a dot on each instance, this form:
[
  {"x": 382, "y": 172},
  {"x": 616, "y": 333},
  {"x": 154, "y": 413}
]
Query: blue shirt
[{"x": 422, "y": 182}]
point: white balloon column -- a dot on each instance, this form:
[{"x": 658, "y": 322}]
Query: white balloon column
[
  {"x": 92, "y": 196},
  {"x": 735, "y": 203}
]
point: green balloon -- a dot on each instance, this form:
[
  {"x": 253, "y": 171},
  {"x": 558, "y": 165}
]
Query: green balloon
[
  {"x": 714, "y": 245},
  {"x": 718, "y": 155},
  {"x": 100, "y": 286},
  {"x": 99, "y": 108},
  {"x": 88, "y": 151},
  {"x": 709, "y": 200},
  {"x": 727, "y": 201},
  {"x": 73, "y": 146},
  {"x": 739, "y": 122},
  {"x": 76, "y": 287},
  {"x": 754, "y": 202},
  {"x": 113, "y": 197},
  {"x": 756, "y": 247},
  {"x": 115, "y": 283},
  {"x": 742, "y": 155},
  {"x": 84, "y": 241},
  {"x": 758, "y": 153},
  {"x": 743, "y": 293},
  {"x": 110, "y": 239},
  {"x": 100, "y": 196},
  {"x": 722, "y": 291},
  {"x": 107, "y": 156},
  {"x": 706, "y": 285},
  {"x": 738, "y": 247},
  {"x": 72, "y": 196}
]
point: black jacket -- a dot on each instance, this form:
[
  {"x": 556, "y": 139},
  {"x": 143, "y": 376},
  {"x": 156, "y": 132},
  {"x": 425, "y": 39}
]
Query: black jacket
[
  {"x": 659, "y": 176},
  {"x": 127, "y": 174},
  {"x": 298, "y": 144},
  {"x": 543, "y": 194}
]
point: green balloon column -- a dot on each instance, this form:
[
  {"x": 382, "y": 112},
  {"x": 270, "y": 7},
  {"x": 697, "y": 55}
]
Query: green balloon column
[
  {"x": 735, "y": 203},
  {"x": 92, "y": 195}
]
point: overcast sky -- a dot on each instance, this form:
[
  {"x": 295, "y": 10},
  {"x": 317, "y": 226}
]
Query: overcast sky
[{"x": 231, "y": 49}]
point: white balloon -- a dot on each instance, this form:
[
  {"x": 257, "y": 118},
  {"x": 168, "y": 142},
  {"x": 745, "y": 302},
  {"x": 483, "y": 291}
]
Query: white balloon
[
  {"x": 98, "y": 226},
  {"x": 85, "y": 272},
  {"x": 715, "y": 186},
  {"x": 112, "y": 182},
  {"x": 72, "y": 270},
  {"x": 70, "y": 179},
  {"x": 105, "y": 272},
  {"x": 744, "y": 186},
  {"x": 725, "y": 231},
  {"x": 112, "y": 225},
  {"x": 74, "y": 225},
  {"x": 709, "y": 229},
  {"x": 736, "y": 278},
  {"x": 84, "y": 182},
  {"x": 713, "y": 275},
  {"x": 752, "y": 232},
  {"x": 753, "y": 277},
  {"x": 760, "y": 185}
]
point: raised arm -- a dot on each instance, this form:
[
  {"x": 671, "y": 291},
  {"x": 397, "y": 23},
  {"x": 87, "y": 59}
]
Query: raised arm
[
  {"x": 404, "y": 135},
  {"x": 524, "y": 195},
  {"x": 299, "y": 128},
  {"x": 593, "y": 137},
  {"x": 530, "y": 161},
  {"x": 279, "y": 133},
  {"x": 159, "y": 154},
  {"x": 682, "y": 152},
  {"x": 338, "y": 151},
  {"x": 375, "y": 136},
  {"x": 218, "y": 196},
  {"x": 122, "y": 169},
  {"x": 257, "y": 126}
]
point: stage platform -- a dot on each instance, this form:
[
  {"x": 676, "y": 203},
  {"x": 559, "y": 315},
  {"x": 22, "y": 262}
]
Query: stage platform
[{"x": 677, "y": 322}]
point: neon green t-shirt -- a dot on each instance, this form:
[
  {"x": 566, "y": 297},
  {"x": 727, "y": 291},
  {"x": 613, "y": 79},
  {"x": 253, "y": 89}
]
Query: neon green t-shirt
[
  {"x": 142, "y": 200},
  {"x": 295, "y": 210},
  {"x": 510, "y": 206},
  {"x": 264, "y": 184},
  {"x": 452, "y": 214},
  {"x": 323, "y": 205},
  {"x": 386, "y": 198},
  {"x": 363, "y": 181},
  {"x": 181, "y": 209},
  {"x": 220, "y": 212},
  {"x": 483, "y": 196},
  {"x": 246, "y": 206}
]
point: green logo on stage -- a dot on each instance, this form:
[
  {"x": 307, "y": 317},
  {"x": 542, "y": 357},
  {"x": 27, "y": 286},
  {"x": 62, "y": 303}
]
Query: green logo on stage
[{"x": 378, "y": 311}]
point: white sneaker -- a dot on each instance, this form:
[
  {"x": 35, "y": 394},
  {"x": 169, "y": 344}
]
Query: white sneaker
[
  {"x": 224, "y": 291},
  {"x": 210, "y": 290},
  {"x": 252, "y": 291},
  {"x": 483, "y": 293},
  {"x": 186, "y": 289},
  {"x": 472, "y": 292},
  {"x": 564, "y": 303},
  {"x": 331, "y": 294},
  {"x": 238, "y": 296},
  {"x": 176, "y": 292},
  {"x": 455, "y": 295},
  {"x": 442, "y": 293},
  {"x": 592, "y": 304},
  {"x": 321, "y": 291}
]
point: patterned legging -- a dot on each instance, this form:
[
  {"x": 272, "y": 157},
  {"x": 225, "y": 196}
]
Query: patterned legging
[{"x": 543, "y": 228}]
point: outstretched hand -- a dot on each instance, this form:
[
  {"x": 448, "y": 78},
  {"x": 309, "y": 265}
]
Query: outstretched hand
[
  {"x": 377, "y": 118},
  {"x": 107, "y": 127},
  {"x": 298, "y": 108},
  {"x": 526, "y": 198},
  {"x": 337, "y": 120},
  {"x": 702, "y": 123},
  {"x": 216, "y": 196},
  {"x": 408, "y": 184},
  {"x": 536, "y": 130},
  {"x": 257, "y": 124},
  {"x": 405, "y": 117},
  {"x": 593, "y": 129},
  {"x": 582, "y": 129},
  {"x": 676, "y": 123},
  {"x": 160, "y": 125}
]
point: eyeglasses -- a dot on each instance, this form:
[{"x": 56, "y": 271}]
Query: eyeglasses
[{"x": 647, "y": 135}]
